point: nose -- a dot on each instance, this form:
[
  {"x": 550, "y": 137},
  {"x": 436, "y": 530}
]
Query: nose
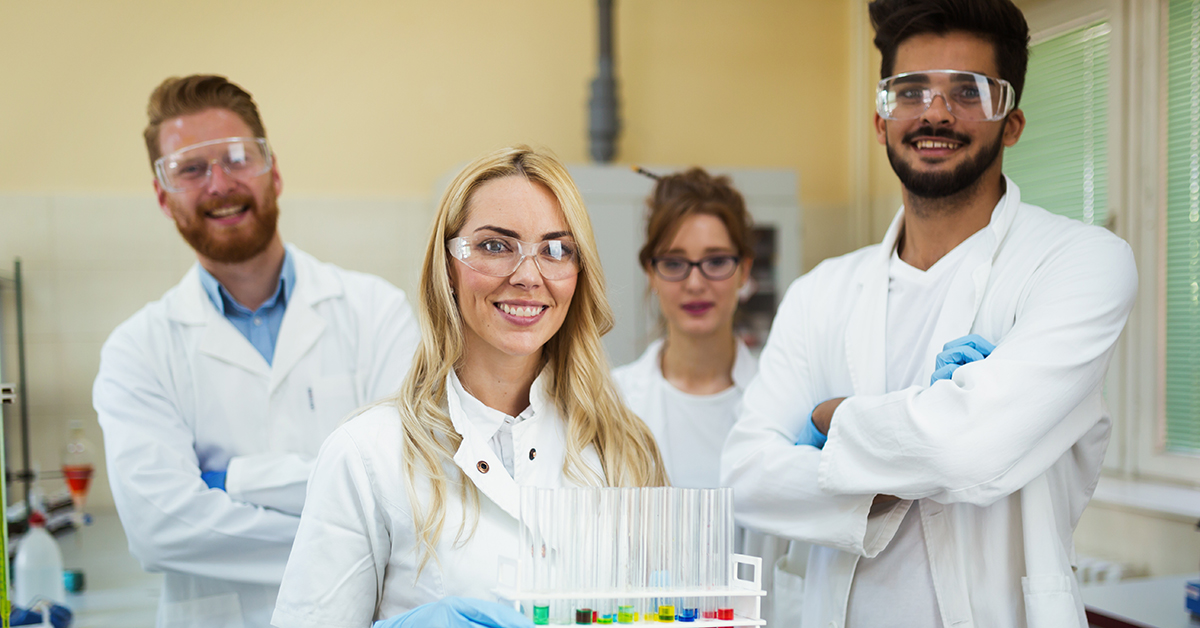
[
  {"x": 694, "y": 279},
  {"x": 527, "y": 275},
  {"x": 219, "y": 181},
  {"x": 935, "y": 113}
]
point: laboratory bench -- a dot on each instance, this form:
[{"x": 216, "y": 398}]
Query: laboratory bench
[
  {"x": 117, "y": 592},
  {"x": 1140, "y": 603}
]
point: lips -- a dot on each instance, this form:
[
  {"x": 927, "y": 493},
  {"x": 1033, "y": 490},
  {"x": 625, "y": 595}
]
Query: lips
[{"x": 698, "y": 308}]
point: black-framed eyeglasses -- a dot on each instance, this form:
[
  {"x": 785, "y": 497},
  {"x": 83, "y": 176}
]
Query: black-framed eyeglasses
[{"x": 713, "y": 267}]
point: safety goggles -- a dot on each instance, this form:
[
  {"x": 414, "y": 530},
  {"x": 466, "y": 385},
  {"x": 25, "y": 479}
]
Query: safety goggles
[
  {"x": 499, "y": 256},
  {"x": 713, "y": 267},
  {"x": 190, "y": 168},
  {"x": 967, "y": 95}
]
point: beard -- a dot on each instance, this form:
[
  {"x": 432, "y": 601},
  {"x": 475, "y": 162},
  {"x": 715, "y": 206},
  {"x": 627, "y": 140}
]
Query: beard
[
  {"x": 229, "y": 245},
  {"x": 939, "y": 185}
]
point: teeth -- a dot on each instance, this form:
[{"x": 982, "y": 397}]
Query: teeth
[
  {"x": 524, "y": 312},
  {"x": 225, "y": 211},
  {"x": 934, "y": 144}
]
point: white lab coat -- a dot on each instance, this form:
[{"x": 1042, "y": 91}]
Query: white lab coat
[
  {"x": 1003, "y": 457},
  {"x": 648, "y": 393},
  {"x": 356, "y": 555},
  {"x": 181, "y": 391}
]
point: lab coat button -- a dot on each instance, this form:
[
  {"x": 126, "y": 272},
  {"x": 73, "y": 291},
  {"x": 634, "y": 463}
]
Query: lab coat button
[
  {"x": 258, "y": 320},
  {"x": 532, "y": 454},
  {"x": 482, "y": 466}
]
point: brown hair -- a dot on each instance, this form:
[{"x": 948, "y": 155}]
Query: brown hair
[
  {"x": 998, "y": 21},
  {"x": 680, "y": 195},
  {"x": 176, "y": 97}
]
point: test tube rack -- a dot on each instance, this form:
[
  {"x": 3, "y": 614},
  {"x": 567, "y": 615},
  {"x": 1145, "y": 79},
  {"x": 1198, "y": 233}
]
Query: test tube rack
[
  {"x": 745, "y": 595},
  {"x": 630, "y": 555}
]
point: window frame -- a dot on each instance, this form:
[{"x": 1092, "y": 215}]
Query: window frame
[{"x": 1136, "y": 390}]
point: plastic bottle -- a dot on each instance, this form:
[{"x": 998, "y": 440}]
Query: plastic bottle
[{"x": 38, "y": 568}]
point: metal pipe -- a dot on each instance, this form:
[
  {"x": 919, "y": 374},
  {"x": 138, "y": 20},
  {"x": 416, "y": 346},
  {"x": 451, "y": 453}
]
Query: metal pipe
[
  {"x": 26, "y": 474},
  {"x": 604, "y": 125}
]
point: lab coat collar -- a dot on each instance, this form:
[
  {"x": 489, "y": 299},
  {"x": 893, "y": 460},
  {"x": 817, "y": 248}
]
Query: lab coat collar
[
  {"x": 487, "y": 421},
  {"x": 495, "y": 483},
  {"x": 301, "y": 327},
  {"x": 865, "y": 347}
]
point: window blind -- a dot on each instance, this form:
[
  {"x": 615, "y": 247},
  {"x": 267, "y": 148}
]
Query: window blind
[
  {"x": 1183, "y": 228},
  {"x": 1061, "y": 160}
]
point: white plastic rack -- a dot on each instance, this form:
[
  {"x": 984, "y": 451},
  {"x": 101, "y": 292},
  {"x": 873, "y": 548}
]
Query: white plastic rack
[{"x": 745, "y": 596}]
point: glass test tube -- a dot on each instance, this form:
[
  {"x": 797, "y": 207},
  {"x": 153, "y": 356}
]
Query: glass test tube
[
  {"x": 688, "y": 556},
  {"x": 527, "y": 523},
  {"x": 606, "y": 546},
  {"x": 585, "y": 550},
  {"x": 725, "y": 530},
  {"x": 544, "y": 555},
  {"x": 626, "y": 564},
  {"x": 562, "y": 610},
  {"x": 708, "y": 510},
  {"x": 666, "y": 544},
  {"x": 648, "y": 505}
]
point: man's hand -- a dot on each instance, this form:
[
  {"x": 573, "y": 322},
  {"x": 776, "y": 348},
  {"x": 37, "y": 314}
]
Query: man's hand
[{"x": 958, "y": 352}]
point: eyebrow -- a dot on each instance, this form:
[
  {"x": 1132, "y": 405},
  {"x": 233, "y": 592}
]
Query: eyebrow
[
  {"x": 708, "y": 252},
  {"x": 553, "y": 235}
]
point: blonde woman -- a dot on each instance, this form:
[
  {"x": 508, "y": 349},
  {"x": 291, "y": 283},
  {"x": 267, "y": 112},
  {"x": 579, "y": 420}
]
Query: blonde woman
[{"x": 413, "y": 501}]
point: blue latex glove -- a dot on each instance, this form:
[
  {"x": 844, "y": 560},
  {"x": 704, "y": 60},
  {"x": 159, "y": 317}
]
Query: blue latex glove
[
  {"x": 214, "y": 479},
  {"x": 811, "y": 435},
  {"x": 958, "y": 352},
  {"x": 60, "y": 617},
  {"x": 457, "y": 612}
]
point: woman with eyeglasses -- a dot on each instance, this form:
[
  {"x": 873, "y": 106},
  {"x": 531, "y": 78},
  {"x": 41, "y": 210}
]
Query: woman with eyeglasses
[
  {"x": 687, "y": 386},
  {"x": 414, "y": 500}
]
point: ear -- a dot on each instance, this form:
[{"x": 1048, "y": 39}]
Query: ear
[
  {"x": 1014, "y": 125},
  {"x": 161, "y": 195},
  {"x": 276, "y": 180},
  {"x": 747, "y": 265},
  {"x": 880, "y": 129}
]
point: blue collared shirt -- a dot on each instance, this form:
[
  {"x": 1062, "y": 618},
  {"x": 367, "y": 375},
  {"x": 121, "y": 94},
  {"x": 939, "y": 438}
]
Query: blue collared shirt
[{"x": 261, "y": 326}]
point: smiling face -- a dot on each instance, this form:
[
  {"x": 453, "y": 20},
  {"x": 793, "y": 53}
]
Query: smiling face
[
  {"x": 511, "y": 316},
  {"x": 226, "y": 220},
  {"x": 698, "y": 306},
  {"x": 937, "y": 155}
]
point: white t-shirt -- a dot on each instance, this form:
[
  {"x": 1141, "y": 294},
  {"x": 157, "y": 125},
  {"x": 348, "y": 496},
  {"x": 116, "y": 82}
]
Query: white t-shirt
[{"x": 895, "y": 588}]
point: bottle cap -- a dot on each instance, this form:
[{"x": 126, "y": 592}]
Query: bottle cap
[{"x": 37, "y": 519}]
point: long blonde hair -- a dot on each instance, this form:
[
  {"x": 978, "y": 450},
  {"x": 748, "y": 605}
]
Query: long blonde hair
[{"x": 580, "y": 385}]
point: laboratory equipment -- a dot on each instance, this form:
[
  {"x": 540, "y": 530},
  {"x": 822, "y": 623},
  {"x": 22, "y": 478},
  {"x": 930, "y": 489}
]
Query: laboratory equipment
[
  {"x": 630, "y": 556},
  {"x": 38, "y": 567},
  {"x": 78, "y": 464}
]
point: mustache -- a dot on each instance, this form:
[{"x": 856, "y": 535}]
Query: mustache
[
  {"x": 929, "y": 131},
  {"x": 226, "y": 201}
]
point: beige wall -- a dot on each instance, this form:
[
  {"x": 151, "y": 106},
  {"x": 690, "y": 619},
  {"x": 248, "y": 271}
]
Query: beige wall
[{"x": 367, "y": 104}]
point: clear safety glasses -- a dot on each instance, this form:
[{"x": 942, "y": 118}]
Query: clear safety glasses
[
  {"x": 713, "y": 267},
  {"x": 499, "y": 256},
  {"x": 967, "y": 95},
  {"x": 189, "y": 168}
]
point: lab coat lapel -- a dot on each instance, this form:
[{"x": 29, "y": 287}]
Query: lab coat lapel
[
  {"x": 302, "y": 326},
  {"x": 958, "y": 313},
  {"x": 190, "y": 305},
  {"x": 494, "y": 483},
  {"x": 865, "y": 332}
]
